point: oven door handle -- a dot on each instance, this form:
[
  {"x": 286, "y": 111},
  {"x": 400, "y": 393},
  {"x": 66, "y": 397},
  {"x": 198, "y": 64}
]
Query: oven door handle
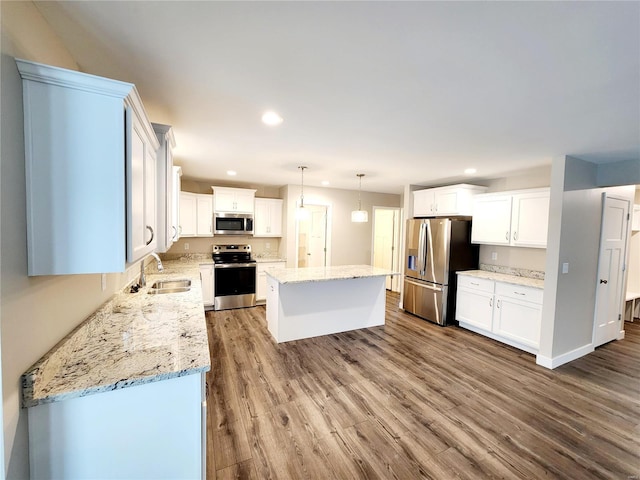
[{"x": 233, "y": 265}]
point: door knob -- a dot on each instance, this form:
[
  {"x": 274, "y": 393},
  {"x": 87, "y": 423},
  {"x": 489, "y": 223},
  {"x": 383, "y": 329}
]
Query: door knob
[{"x": 603, "y": 281}]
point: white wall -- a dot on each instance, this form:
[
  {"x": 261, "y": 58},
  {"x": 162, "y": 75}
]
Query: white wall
[
  {"x": 574, "y": 238},
  {"x": 350, "y": 242},
  {"x": 36, "y": 312}
]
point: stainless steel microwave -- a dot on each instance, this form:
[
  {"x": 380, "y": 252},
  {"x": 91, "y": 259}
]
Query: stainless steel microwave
[{"x": 225, "y": 223}]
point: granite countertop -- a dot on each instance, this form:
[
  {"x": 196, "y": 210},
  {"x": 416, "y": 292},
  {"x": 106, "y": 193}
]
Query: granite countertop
[
  {"x": 502, "y": 277},
  {"x": 269, "y": 259},
  {"x": 134, "y": 338},
  {"x": 321, "y": 274}
]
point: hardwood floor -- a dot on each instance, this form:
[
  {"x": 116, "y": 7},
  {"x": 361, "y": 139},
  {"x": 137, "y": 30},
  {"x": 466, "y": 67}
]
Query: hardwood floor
[{"x": 413, "y": 400}]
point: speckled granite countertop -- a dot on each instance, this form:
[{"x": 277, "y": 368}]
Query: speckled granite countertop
[
  {"x": 268, "y": 259},
  {"x": 134, "y": 338},
  {"x": 321, "y": 274},
  {"x": 502, "y": 277}
]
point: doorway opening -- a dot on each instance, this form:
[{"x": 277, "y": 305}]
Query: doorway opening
[
  {"x": 312, "y": 238},
  {"x": 386, "y": 243}
]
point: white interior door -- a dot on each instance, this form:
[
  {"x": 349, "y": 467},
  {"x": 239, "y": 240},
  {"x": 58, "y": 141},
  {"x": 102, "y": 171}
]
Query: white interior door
[
  {"x": 312, "y": 237},
  {"x": 386, "y": 235},
  {"x": 609, "y": 293}
]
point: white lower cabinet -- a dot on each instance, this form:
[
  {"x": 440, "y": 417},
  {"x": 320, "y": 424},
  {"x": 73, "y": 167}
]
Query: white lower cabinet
[
  {"x": 207, "y": 277},
  {"x": 503, "y": 311},
  {"x": 261, "y": 278},
  {"x": 475, "y": 302},
  {"x": 147, "y": 431}
]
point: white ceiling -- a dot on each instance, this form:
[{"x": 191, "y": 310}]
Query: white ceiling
[{"x": 405, "y": 92}]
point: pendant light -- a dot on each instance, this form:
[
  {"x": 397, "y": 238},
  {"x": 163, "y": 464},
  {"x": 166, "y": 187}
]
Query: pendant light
[
  {"x": 301, "y": 212},
  {"x": 360, "y": 215}
]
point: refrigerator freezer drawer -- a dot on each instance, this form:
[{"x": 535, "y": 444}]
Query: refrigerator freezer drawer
[{"x": 426, "y": 300}]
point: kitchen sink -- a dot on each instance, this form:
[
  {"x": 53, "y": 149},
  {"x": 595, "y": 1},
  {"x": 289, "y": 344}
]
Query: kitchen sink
[{"x": 170, "y": 286}]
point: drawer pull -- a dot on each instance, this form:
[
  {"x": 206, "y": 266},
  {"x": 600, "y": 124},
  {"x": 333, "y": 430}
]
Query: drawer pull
[
  {"x": 476, "y": 284},
  {"x": 518, "y": 293}
]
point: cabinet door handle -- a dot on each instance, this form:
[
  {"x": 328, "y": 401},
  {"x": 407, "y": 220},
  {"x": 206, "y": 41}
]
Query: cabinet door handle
[
  {"x": 175, "y": 232},
  {"x": 498, "y": 304},
  {"x": 152, "y": 235},
  {"x": 506, "y": 236},
  {"x": 491, "y": 302},
  {"x": 515, "y": 235},
  {"x": 603, "y": 281}
]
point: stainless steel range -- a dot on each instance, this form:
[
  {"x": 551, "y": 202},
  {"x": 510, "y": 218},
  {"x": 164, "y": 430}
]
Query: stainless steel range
[{"x": 234, "y": 277}]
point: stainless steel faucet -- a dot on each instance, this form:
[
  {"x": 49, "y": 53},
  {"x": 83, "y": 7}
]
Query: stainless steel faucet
[{"x": 143, "y": 281}]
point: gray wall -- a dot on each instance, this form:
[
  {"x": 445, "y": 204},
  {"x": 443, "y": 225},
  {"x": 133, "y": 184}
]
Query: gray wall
[{"x": 574, "y": 238}]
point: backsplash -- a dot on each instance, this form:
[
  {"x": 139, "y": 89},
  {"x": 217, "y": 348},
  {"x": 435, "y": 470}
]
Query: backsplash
[{"x": 518, "y": 272}]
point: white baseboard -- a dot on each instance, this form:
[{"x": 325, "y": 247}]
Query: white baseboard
[{"x": 554, "y": 362}]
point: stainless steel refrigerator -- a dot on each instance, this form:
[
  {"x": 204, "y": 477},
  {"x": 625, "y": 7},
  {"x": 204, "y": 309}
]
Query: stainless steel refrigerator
[{"x": 436, "y": 249}]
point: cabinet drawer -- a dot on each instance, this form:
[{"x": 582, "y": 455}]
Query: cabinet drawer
[
  {"x": 528, "y": 294},
  {"x": 475, "y": 283}
]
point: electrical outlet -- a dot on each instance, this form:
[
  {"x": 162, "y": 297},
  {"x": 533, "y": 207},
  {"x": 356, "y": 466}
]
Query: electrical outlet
[
  {"x": 267, "y": 245},
  {"x": 186, "y": 246},
  {"x": 565, "y": 268},
  {"x": 103, "y": 281},
  {"x": 494, "y": 255}
]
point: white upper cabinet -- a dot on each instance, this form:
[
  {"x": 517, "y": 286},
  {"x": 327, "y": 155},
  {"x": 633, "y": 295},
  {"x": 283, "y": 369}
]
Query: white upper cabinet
[
  {"x": 445, "y": 201},
  {"x": 519, "y": 219},
  {"x": 196, "y": 215},
  {"x": 79, "y": 147},
  {"x": 188, "y": 214},
  {"x": 491, "y": 219},
  {"x": 268, "y": 217},
  {"x": 235, "y": 200},
  {"x": 530, "y": 219},
  {"x": 141, "y": 167},
  {"x": 167, "y": 231},
  {"x": 204, "y": 224},
  {"x": 175, "y": 203}
]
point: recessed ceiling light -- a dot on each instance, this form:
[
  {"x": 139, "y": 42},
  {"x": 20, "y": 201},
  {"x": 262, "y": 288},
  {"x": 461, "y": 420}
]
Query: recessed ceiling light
[
  {"x": 325, "y": 182},
  {"x": 470, "y": 171},
  {"x": 271, "y": 118},
  {"x": 232, "y": 173}
]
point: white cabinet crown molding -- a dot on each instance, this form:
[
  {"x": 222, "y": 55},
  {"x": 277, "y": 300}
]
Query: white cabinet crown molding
[{"x": 61, "y": 77}]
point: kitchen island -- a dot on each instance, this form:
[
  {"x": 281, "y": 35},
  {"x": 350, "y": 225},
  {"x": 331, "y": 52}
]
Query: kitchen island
[
  {"x": 122, "y": 395},
  {"x": 309, "y": 302}
]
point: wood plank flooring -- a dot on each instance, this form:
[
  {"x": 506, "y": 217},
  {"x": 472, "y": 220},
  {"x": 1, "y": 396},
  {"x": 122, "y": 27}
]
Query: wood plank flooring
[{"x": 413, "y": 400}]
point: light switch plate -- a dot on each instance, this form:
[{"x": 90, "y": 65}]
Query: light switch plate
[
  {"x": 565, "y": 268},
  {"x": 186, "y": 246}
]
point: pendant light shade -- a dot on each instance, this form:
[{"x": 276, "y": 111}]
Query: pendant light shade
[
  {"x": 360, "y": 215},
  {"x": 301, "y": 212}
]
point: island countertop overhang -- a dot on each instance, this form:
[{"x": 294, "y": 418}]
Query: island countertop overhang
[{"x": 322, "y": 274}]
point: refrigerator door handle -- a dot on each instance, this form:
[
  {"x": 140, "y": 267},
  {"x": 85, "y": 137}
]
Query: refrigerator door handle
[
  {"x": 428, "y": 286},
  {"x": 421, "y": 250}
]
